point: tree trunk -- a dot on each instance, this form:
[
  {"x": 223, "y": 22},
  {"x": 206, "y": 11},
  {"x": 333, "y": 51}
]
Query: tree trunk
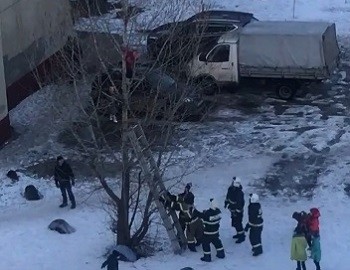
[
  {"x": 123, "y": 237},
  {"x": 123, "y": 232}
]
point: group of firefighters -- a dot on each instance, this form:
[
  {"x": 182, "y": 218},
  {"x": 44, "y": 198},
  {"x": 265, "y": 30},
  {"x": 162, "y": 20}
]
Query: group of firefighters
[{"x": 202, "y": 228}]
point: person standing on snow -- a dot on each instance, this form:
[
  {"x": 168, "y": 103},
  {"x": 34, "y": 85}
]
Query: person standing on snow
[
  {"x": 298, "y": 249},
  {"x": 303, "y": 224},
  {"x": 235, "y": 203},
  {"x": 316, "y": 251},
  {"x": 64, "y": 179},
  {"x": 255, "y": 224},
  {"x": 313, "y": 222},
  {"x": 112, "y": 261},
  {"x": 193, "y": 225},
  {"x": 211, "y": 221},
  {"x": 189, "y": 197}
]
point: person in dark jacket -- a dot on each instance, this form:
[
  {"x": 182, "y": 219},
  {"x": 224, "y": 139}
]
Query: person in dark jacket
[
  {"x": 189, "y": 197},
  {"x": 235, "y": 203},
  {"x": 255, "y": 224},
  {"x": 64, "y": 179},
  {"x": 112, "y": 262},
  {"x": 211, "y": 221},
  {"x": 303, "y": 219}
]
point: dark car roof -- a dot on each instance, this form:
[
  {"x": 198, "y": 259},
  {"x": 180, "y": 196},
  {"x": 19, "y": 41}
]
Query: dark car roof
[
  {"x": 231, "y": 15},
  {"x": 212, "y": 16}
]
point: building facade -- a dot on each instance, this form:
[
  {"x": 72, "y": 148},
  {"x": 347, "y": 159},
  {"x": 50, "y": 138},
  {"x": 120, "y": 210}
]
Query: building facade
[{"x": 31, "y": 31}]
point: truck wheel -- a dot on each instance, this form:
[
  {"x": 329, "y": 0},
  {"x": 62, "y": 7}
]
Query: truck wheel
[
  {"x": 208, "y": 86},
  {"x": 286, "y": 92}
]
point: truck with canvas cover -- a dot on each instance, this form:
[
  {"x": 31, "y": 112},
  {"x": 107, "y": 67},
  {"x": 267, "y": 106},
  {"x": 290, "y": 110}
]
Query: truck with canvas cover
[{"x": 286, "y": 54}]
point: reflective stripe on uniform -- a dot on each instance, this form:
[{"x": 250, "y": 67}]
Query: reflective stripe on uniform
[
  {"x": 211, "y": 222},
  {"x": 191, "y": 242},
  {"x": 257, "y": 245},
  {"x": 194, "y": 220},
  {"x": 211, "y": 233},
  {"x": 238, "y": 211},
  {"x": 231, "y": 202},
  {"x": 207, "y": 253},
  {"x": 255, "y": 225},
  {"x": 241, "y": 232},
  {"x": 219, "y": 249}
]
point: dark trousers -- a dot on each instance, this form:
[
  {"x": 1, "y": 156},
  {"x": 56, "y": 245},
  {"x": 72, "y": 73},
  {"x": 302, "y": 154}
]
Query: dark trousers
[
  {"x": 255, "y": 237},
  {"x": 215, "y": 240},
  {"x": 66, "y": 187},
  {"x": 301, "y": 266},
  {"x": 236, "y": 222},
  {"x": 182, "y": 221},
  {"x": 317, "y": 264}
]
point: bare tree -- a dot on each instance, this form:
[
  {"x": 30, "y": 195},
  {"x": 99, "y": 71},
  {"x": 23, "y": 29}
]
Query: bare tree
[{"x": 118, "y": 88}]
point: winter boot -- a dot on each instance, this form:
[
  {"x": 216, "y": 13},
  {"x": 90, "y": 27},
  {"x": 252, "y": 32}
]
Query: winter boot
[
  {"x": 303, "y": 266},
  {"x": 220, "y": 254},
  {"x": 240, "y": 239},
  {"x": 63, "y": 205},
  {"x": 198, "y": 243},
  {"x": 192, "y": 247},
  {"x": 206, "y": 258},
  {"x": 73, "y": 206},
  {"x": 317, "y": 264},
  {"x": 257, "y": 251},
  {"x": 236, "y": 236}
]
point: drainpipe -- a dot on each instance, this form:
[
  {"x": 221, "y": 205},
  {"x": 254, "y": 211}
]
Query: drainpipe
[{"x": 5, "y": 131}]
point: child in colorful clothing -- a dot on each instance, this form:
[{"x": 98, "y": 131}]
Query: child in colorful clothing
[
  {"x": 316, "y": 251},
  {"x": 313, "y": 222},
  {"x": 298, "y": 249}
]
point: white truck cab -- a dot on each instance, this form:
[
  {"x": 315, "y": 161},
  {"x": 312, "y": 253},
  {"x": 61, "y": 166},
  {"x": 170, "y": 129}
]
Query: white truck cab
[{"x": 219, "y": 64}]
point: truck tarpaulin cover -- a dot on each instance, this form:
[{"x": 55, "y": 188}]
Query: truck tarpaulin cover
[{"x": 305, "y": 45}]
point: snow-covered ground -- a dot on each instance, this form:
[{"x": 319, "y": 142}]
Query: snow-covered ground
[
  {"x": 337, "y": 11},
  {"x": 297, "y": 151},
  {"x": 157, "y": 12}
]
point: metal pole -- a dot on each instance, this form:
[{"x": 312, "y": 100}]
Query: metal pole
[{"x": 294, "y": 1}]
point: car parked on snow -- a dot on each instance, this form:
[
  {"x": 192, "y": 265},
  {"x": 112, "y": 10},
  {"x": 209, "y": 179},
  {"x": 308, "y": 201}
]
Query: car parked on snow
[
  {"x": 181, "y": 39},
  {"x": 154, "y": 94}
]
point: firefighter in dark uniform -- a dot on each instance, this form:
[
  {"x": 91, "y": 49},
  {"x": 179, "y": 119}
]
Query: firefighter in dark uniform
[
  {"x": 235, "y": 203},
  {"x": 211, "y": 221},
  {"x": 189, "y": 197},
  {"x": 255, "y": 224},
  {"x": 193, "y": 225}
]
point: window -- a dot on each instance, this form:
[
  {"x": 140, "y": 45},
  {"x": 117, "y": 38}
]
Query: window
[
  {"x": 220, "y": 28},
  {"x": 220, "y": 53}
]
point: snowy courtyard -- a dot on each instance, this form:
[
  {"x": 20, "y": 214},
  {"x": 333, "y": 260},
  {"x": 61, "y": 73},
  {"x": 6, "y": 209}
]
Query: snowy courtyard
[{"x": 295, "y": 155}]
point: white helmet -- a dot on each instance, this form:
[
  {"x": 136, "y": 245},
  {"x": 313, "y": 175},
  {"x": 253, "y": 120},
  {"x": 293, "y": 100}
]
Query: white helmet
[
  {"x": 237, "y": 182},
  {"x": 254, "y": 198}
]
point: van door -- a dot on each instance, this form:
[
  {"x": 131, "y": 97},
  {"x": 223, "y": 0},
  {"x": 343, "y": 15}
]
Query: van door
[
  {"x": 219, "y": 63},
  {"x": 234, "y": 62}
]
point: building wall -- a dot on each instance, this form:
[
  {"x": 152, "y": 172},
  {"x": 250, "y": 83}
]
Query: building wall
[{"x": 32, "y": 31}]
